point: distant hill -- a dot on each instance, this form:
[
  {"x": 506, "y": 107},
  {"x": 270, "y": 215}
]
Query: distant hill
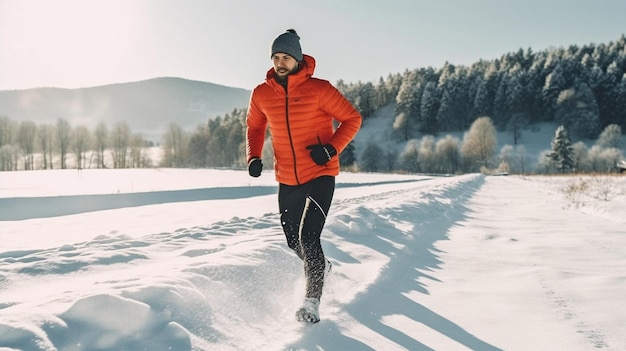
[{"x": 148, "y": 107}]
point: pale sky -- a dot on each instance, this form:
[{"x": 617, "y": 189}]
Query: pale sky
[{"x": 84, "y": 43}]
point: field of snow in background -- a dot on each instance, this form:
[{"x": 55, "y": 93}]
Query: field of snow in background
[{"x": 164, "y": 259}]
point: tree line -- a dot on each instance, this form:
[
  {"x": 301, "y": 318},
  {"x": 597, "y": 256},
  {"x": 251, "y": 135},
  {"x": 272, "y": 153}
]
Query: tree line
[
  {"x": 28, "y": 146},
  {"x": 581, "y": 88},
  {"x": 565, "y": 156},
  {"x": 221, "y": 143}
]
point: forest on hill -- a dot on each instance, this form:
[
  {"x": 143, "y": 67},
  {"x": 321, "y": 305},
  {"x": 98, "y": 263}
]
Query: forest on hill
[{"x": 580, "y": 87}]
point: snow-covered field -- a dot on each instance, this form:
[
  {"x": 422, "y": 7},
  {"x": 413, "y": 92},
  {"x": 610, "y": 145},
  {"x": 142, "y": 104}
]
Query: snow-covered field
[{"x": 134, "y": 260}]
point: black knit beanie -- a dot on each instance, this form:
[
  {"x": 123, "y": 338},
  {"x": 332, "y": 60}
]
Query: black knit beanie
[{"x": 288, "y": 43}]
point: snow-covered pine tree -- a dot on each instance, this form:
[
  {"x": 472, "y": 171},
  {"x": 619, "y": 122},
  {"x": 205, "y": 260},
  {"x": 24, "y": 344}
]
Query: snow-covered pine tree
[{"x": 562, "y": 151}]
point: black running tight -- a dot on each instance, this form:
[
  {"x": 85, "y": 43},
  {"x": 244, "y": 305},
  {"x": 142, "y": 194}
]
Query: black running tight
[{"x": 303, "y": 211}]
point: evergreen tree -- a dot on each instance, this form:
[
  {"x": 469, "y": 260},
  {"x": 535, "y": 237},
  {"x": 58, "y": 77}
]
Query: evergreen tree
[
  {"x": 463, "y": 98},
  {"x": 555, "y": 83},
  {"x": 365, "y": 99},
  {"x": 500, "y": 103},
  {"x": 620, "y": 103},
  {"x": 445, "y": 114},
  {"x": 429, "y": 107},
  {"x": 389, "y": 161},
  {"x": 382, "y": 94},
  {"x": 371, "y": 158},
  {"x": 392, "y": 87},
  {"x": 577, "y": 111},
  {"x": 518, "y": 97},
  {"x": 562, "y": 152},
  {"x": 516, "y": 124},
  {"x": 198, "y": 147},
  {"x": 534, "y": 91},
  {"x": 449, "y": 98},
  {"x": 481, "y": 100},
  {"x": 347, "y": 158},
  {"x": 408, "y": 104},
  {"x": 402, "y": 126}
]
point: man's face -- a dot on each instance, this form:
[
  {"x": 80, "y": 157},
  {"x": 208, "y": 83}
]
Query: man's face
[{"x": 284, "y": 64}]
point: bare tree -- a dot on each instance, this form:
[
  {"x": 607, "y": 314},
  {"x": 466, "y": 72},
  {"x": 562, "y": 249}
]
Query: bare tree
[
  {"x": 8, "y": 158},
  {"x": 604, "y": 159},
  {"x": 81, "y": 144},
  {"x": 138, "y": 159},
  {"x": 120, "y": 141},
  {"x": 409, "y": 158},
  {"x": 101, "y": 143},
  {"x": 610, "y": 137},
  {"x": 479, "y": 144},
  {"x": 580, "y": 156},
  {"x": 448, "y": 154},
  {"x": 174, "y": 147},
  {"x": 521, "y": 159},
  {"x": 26, "y": 140},
  {"x": 8, "y": 152},
  {"x": 64, "y": 131},
  {"x": 426, "y": 154},
  {"x": 7, "y": 130},
  {"x": 46, "y": 141}
]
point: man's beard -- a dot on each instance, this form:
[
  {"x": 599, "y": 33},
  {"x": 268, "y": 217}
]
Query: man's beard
[{"x": 283, "y": 78}]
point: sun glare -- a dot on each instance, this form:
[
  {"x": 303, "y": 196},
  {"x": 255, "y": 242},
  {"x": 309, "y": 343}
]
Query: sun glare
[{"x": 92, "y": 37}]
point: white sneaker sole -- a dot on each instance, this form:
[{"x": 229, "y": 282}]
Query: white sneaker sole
[{"x": 302, "y": 315}]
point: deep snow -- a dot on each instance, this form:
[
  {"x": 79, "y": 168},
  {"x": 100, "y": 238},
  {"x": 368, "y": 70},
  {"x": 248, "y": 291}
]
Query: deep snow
[{"x": 133, "y": 260}]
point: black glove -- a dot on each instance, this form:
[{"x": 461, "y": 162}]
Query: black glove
[
  {"x": 255, "y": 166},
  {"x": 321, "y": 154}
]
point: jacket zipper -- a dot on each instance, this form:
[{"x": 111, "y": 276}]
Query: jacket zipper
[{"x": 293, "y": 151}]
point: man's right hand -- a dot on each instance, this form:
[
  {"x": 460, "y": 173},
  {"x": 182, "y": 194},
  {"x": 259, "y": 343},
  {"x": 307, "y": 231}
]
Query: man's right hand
[{"x": 255, "y": 166}]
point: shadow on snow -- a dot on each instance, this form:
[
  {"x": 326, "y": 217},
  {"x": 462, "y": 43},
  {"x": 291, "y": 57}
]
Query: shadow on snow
[
  {"x": 410, "y": 261},
  {"x": 20, "y": 208}
]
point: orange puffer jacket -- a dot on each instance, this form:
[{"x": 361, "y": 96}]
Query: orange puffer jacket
[{"x": 298, "y": 118}]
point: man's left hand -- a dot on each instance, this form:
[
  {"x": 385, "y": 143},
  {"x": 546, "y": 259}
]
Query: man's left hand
[{"x": 321, "y": 154}]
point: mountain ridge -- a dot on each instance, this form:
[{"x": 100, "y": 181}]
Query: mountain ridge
[{"x": 147, "y": 106}]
